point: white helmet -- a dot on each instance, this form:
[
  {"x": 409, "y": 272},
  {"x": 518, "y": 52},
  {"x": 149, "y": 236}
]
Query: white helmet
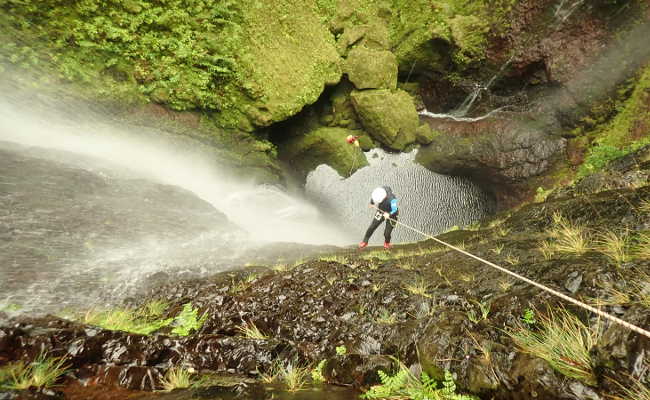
[{"x": 378, "y": 195}]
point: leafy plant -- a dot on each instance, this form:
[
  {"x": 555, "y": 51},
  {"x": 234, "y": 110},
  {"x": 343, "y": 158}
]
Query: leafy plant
[
  {"x": 419, "y": 287},
  {"x": 187, "y": 320},
  {"x": 404, "y": 385},
  {"x": 317, "y": 372},
  {"x": 484, "y": 308},
  {"x": 341, "y": 350},
  {"x": 529, "y": 317}
]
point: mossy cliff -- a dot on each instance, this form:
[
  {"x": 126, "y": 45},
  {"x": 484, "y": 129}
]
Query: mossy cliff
[{"x": 255, "y": 75}]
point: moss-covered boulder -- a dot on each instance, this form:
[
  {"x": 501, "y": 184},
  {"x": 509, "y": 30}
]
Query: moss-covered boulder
[
  {"x": 286, "y": 57},
  {"x": 342, "y": 111},
  {"x": 323, "y": 146},
  {"x": 389, "y": 116},
  {"x": 424, "y": 134},
  {"x": 371, "y": 69}
]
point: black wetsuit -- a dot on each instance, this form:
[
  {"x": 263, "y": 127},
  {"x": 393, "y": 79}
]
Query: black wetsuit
[{"x": 388, "y": 205}]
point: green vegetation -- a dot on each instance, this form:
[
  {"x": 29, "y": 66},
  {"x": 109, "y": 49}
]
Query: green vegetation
[
  {"x": 341, "y": 350},
  {"x": 176, "y": 52},
  {"x": 404, "y": 385},
  {"x": 625, "y": 133},
  {"x": 317, "y": 372},
  {"x": 143, "y": 321},
  {"x": 529, "y": 317},
  {"x": 43, "y": 372},
  {"x": 294, "y": 377},
  {"x": 176, "y": 378},
  {"x": 188, "y": 320},
  {"x": 251, "y": 331},
  {"x": 484, "y": 309},
  {"x": 563, "y": 341},
  {"x": 464, "y": 24}
]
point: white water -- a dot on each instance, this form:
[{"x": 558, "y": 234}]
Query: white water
[{"x": 267, "y": 213}]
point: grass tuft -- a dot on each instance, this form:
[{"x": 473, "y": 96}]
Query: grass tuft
[
  {"x": 569, "y": 237},
  {"x": 419, "y": 287},
  {"x": 563, "y": 341},
  {"x": 43, "y": 372},
  {"x": 176, "y": 378},
  {"x": 295, "y": 377},
  {"x": 251, "y": 331},
  {"x": 614, "y": 246}
]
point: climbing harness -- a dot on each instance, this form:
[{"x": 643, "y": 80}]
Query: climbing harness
[{"x": 594, "y": 310}]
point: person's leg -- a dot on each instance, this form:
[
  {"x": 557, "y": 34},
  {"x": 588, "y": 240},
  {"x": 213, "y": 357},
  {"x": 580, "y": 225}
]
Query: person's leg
[
  {"x": 390, "y": 224},
  {"x": 373, "y": 226}
]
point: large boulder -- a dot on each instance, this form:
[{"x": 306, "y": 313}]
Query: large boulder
[
  {"x": 388, "y": 116},
  {"x": 494, "y": 153},
  {"x": 371, "y": 69},
  {"x": 323, "y": 146},
  {"x": 285, "y": 60}
]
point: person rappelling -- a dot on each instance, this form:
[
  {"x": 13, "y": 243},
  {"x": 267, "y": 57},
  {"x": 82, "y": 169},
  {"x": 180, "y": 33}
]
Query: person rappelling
[{"x": 385, "y": 202}]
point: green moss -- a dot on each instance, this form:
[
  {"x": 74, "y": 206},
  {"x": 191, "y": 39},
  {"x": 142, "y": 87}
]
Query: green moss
[
  {"x": 419, "y": 30},
  {"x": 324, "y": 146},
  {"x": 626, "y": 132},
  {"x": 371, "y": 69},
  {"x": 277, "y": 73},
  {"x": 389, "y": 116},
  {"x": 178, "y": 50}
]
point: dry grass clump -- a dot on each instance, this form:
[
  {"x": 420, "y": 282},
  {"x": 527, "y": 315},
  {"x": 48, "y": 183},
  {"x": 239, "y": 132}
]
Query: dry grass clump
[
  {"x": 251, "y": 331},
  {"x": 641, "y": 250},
  {"x": 638, "y": 391},
  {"x": 293, "y": 376},
  {"x": 419, "y": 288},
  {"x": 563, "y": 341},
  {"x": 614, "y": 246},
  {"x": 176, "y": 378},
  {"x": 566, "y": 237},
  {"x": 43, "y": 372}
]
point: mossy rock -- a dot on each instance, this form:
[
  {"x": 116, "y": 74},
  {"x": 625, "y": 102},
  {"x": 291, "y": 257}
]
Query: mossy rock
[
  {"x": 371, "y": 69},
  {"x": 389, "y": 116},
  {"x": 343, "y": 113},
  {"x": 323, "y": 146},
  {"x": 286, "y": 58},
  {"x": 424, "y": 134}
]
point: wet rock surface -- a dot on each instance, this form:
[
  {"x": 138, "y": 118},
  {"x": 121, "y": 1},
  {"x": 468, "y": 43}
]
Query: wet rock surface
[{"x": 362, "y": 301}]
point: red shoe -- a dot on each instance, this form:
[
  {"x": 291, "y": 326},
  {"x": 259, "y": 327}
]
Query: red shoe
[
  {"x": 387, "y": 246},
  {"x": 363, "y": 244}
]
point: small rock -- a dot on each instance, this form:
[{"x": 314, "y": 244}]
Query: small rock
[
  {"x": 572, "y": 284},
  {"x": 583, "y": 392}
]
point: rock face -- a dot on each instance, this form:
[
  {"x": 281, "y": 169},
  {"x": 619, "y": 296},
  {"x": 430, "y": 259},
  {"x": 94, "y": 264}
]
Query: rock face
[
  {"x": 496, "y": 154},
  {"x": 365, "y": 304},
  {"x": 324, "y": 146},
  {"x": 389, "y": 116}
]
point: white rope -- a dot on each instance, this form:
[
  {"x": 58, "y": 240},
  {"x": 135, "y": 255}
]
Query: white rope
[{"x": 563, "y": 296}]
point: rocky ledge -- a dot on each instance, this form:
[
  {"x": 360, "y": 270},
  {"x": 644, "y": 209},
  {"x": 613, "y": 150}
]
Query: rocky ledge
[{"x": 429, "y": 307}]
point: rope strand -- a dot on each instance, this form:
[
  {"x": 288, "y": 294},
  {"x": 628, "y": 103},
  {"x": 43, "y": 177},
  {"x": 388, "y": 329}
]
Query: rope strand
[{"x": 563, "y": 296}]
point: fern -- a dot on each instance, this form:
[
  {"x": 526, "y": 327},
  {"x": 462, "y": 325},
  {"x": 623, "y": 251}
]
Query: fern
[
  {"x": 403, "y": 385},
  {"x": 188, "y": 320}
]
